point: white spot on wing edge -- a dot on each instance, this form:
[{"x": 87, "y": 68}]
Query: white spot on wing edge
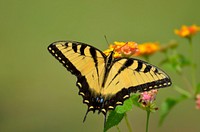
[
  {"x": 103, "y": 110},
  {"x": 79, "y": 84},
  {"x": 119, "y": 103},
  {"x": 111, "y": 107},
  {"x": 150, "y": 87},
  {"x": 63, "y": 61},
  {"x": 86, "y": 101},
  {"x": 91, "y": 107},
  {"x": 81, "y": 93},
  {"x": 126, "y": 96}
]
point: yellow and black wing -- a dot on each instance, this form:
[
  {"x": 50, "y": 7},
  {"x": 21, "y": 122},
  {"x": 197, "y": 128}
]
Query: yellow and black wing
[
  {"x": 128, "y": 75},
  {"x": 86, "y": 62},
  {"x": 104, "y": 81}
]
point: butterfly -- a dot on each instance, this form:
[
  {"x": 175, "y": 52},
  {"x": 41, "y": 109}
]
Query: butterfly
[{"x": 104, "y": 81}]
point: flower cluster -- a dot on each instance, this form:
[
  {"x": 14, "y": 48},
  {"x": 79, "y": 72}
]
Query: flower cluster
[
  {"x": 173, "y": 60},
  {"x": 122, "y": 49},
  {"x": 147, "y": 99},
  {"x": 128, "y": 49},
  {"x": 198, "y": 101},
  {"x": 187, "y": 31},
  {"x": 148, "y": 48}
]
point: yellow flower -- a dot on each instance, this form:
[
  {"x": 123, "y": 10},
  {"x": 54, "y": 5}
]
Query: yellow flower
[
  {"x": 122, "y": 49},
  {"x": 107, "y": 51},
  {"x": 148, "y": 48},
  {"x": 187, "y": 31}
]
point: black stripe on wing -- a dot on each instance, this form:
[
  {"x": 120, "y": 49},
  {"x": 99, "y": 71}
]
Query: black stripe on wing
[
  {"x": 128, "y": 63},
  {"x": 144, "y": 67},
  {"x": 94, "y": 56},
  {"x": 62, "y": 59},
  {"x": 74, "y": 46}
]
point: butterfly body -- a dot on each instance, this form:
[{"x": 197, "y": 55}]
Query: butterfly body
[{"x": 104, "y": 81}]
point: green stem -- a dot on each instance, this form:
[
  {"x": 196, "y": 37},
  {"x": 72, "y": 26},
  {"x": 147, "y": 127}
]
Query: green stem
[
  {"x": 118, "y": 128},
  {"x": 192, "y": 63},
  {"x": 127, "y": 123},
  {"x": 147, "y": 121},
  {"x": 187, "y": 83}
]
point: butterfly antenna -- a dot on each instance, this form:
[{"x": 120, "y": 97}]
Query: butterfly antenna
[
  {"x": 85, "y": 115},
  {"x": 106, "y": 40}
]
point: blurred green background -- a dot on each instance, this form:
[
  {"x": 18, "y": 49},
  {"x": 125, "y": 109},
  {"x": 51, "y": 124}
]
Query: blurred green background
[{"x": 38, "y": 95}]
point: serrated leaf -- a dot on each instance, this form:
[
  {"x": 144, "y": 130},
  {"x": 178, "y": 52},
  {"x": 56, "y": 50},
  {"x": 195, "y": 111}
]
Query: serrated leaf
[
  {"x": 127, "y": 106},
  {"x": 114, "y": 119}
]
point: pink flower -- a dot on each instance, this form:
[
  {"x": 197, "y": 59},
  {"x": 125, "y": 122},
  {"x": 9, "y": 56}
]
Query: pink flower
[
  {"x": 129, "y": 49},
  {"x": 148, "y": 97},
  {"x": 198, "y": 101}
]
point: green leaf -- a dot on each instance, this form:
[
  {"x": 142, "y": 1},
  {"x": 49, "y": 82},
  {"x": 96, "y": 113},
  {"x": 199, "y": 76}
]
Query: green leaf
[
  {"x": 176, "y": 62},
  {"x": 114, "y": 119},
  {"x": 117, "y": 115},
  {"x": 135, "y": 98},
  {"x": 127, "y": 106},
  {"x": 168, "y": 65},
  {"x": 182, "y": 60},
  {"x": 167, "y": 106}
]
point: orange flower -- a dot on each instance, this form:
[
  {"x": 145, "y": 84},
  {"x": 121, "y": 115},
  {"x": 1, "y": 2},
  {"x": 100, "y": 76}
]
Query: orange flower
[
  {"x": 107, "y": 52},
  {"x": 148, "y": 48},
  {"x": 187, "y": 31},
  {"x": 122, "y": 49}
]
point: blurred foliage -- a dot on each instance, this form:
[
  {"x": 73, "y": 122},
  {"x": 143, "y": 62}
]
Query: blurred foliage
[
  {"x": 38, "y": 94},
  {"x": 176, "y": 62}
]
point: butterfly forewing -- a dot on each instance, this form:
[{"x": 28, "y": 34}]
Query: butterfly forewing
[
  {"x": 134, "y": 75},
  {"x": 82, "y": 60}
]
